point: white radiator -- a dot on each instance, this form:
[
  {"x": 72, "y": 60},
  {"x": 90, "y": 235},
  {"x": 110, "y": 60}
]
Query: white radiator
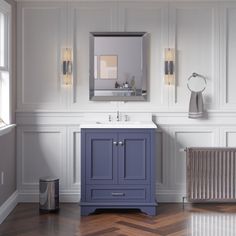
[{"x": 211, "y": 174}]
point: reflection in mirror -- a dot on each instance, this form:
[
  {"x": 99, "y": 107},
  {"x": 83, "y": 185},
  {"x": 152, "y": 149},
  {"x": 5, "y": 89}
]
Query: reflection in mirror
[
  {"x": 118, "y": 66},
  {"x": 107, "y": 67}
]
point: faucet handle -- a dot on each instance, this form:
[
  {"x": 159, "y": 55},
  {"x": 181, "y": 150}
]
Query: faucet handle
[
  {"x": 126, "y": 118},
  {"x": 109, "y": 118}
]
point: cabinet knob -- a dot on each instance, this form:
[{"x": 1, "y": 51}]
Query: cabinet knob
[
  {"x": 115, "y": 143},
  {"x": 121, "y": 142}
]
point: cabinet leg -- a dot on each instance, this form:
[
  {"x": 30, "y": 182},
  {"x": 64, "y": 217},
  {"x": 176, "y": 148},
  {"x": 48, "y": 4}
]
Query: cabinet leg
[
  {"x": 85, "y": 211},
  {"x": 149, "y": 210}
]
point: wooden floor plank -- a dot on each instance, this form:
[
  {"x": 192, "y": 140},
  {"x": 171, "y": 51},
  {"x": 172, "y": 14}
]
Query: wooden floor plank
[{"x": 171, "y": 220}]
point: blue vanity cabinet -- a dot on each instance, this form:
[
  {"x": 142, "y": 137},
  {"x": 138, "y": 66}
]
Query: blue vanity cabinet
[{"x": 117, "y": 169}]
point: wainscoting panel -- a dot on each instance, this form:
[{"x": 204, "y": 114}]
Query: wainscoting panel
[
  {"x": 55, "y": 150},
  {"x": 41, "y": 152},
  {"x": 89, "y": 17},
  {"x": 74, "y": 150},
  {"x": 194, "y": 33},
  {"x": 227, "y": 57},
  {"x": 228, "y": 136},
  {"x": 40, "y": 30},
  {"x": 182, "y": 137},
  {"x": 231, "y": 138},
  {"x": 150, "y": 18}
]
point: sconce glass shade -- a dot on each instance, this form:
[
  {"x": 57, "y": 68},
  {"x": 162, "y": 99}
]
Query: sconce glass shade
[
  {"x": 169, "y": 75},
  {"x": 67, "y": 66}
]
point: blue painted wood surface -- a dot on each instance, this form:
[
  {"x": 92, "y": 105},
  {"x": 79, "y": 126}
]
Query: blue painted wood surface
[{"x": 118, "y": 169}]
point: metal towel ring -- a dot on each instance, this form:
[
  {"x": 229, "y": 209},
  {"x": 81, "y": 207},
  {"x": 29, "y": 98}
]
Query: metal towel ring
[{"x": 193, "y": 76}]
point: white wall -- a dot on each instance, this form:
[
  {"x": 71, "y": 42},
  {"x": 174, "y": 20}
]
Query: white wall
[{"x": 49, "y": 115}]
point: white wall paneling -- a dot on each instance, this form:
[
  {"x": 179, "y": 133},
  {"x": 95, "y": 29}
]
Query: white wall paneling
[
  {"x": 73, "y": 170},
  {"x": 41, "y": 152},
  {"x": 49, "y": 115},
  {"x": 194, "y": 32},
  {"x": 162, "y": 163},
  {"x": 90, "y": 17},
  {"x": 153, "y": 19},
  {"x": 228, "y": 136},
  {"x": 40, "y": 33},
  {"x": 180, "y": 137},
  {"x": 227, "y": 56}
]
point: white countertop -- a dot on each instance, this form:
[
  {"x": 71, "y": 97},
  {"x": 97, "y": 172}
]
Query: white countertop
[{"x": 120, "y": 125}]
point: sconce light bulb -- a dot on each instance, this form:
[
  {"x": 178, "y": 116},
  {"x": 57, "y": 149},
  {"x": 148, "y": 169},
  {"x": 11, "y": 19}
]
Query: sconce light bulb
[{"x": 169, "y": 54}]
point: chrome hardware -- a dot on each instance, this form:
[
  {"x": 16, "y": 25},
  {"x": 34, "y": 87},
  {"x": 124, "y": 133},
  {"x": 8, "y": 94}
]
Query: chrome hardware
[
  {"x": 115, "y": 143},
  {"x": 126, "y": 118},
  {"x": 117, "y": 116},
  {"x": 200, "y": 77},
  {"x": 121, "y": 143},
  {"x": 117, "y": 194},
  {"x": 109, "y": 118}
]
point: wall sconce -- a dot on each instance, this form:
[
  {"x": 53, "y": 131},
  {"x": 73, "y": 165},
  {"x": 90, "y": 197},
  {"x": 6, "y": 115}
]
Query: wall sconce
[
  {"x": 169, "y": 66},
  {"x": 67, "y": 66}
]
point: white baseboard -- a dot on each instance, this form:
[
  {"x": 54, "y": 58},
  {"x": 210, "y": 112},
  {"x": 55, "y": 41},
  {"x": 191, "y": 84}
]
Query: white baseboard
[
  {"x": 7, "y": 207},
  {"x": 34, "y": 197},
  {"x": 170, "y": 197}
]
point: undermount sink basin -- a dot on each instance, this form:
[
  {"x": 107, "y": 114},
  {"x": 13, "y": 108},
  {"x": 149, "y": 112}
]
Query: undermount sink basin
[{"x": 120, "y": 125}]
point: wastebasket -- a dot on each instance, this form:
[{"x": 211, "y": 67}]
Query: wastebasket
[{"x": 49, "y": 194}]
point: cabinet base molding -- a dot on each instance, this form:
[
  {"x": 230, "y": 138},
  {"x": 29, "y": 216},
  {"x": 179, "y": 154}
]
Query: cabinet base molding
[{"x": 88, "y": 208}]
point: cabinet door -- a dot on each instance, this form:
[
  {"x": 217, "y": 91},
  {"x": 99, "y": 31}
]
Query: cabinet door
[
  {"x": 134, "y": 158},
  {"x": 101, "y": 158}
]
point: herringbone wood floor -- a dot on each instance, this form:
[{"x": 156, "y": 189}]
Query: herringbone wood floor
[{"x": 172, "y": 220}]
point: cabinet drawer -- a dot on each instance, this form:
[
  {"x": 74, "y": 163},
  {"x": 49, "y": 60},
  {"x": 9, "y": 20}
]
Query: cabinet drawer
[{"x": 114, "y": 194}]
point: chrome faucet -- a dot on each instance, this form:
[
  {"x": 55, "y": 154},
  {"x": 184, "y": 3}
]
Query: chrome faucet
[{"x": 117, "y": 116}]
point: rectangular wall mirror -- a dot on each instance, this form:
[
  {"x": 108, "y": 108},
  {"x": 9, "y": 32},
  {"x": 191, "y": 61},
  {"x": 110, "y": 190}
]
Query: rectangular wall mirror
[{"x": 118, "y": 66}]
